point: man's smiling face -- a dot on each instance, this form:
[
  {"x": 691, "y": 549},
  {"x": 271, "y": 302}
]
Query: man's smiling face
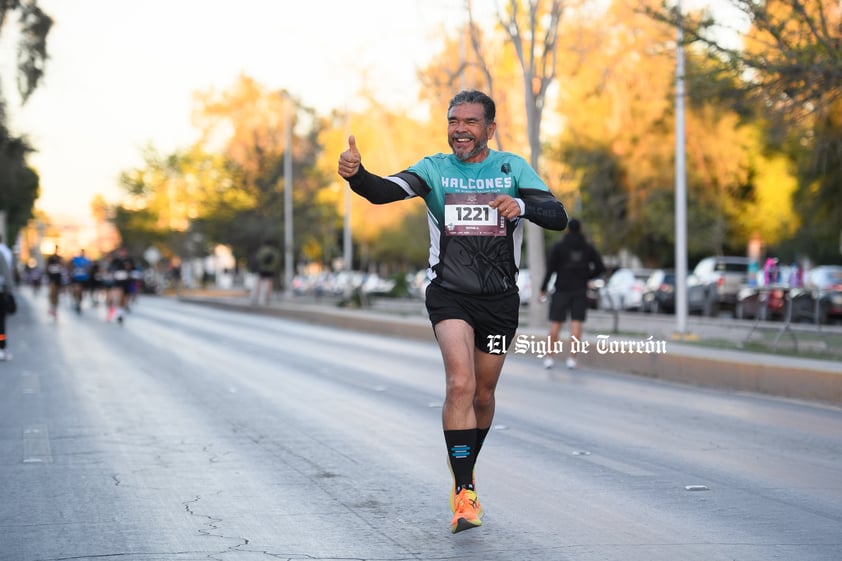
[{"x": 468, "y": 133}]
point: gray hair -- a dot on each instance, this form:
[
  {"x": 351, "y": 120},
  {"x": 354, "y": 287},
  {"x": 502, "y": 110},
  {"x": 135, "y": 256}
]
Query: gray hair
[{"x": 489, "y": 109}]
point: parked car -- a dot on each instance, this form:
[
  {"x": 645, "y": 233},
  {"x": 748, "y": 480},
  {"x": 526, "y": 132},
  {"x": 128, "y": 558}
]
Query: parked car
[
  {"x": 823, "y": 284},
  {"x": 769, "y": 302},
  {"x": 595, "y": 286},
  {"x": 765, "y": 303},
  {"x": 659, "y": 292},
  {"x": 374, "y": 284},
  {"x": 591, "y": 292},
  {"x": 624, "y": 289},
  {"x": 659, "y": 296},
  {"x": 715, "y": 283}
]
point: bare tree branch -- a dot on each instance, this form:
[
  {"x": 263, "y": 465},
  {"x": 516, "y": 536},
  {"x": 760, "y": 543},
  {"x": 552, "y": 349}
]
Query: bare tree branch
[{"x": 792, "y": 54}]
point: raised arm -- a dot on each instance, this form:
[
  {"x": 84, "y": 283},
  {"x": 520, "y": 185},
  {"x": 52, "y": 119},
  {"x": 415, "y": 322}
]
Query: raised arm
[{"x": 366, "y": 184}]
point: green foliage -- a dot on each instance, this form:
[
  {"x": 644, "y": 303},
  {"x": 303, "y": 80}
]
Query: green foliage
[
  {"x": 198, "y": 197},
  {"x": 405, "y": 244},
  {"x": 820, "y": 195},
  {"x": 786, "y": 75},
  {"x": 603, "y": 200},
  {"x": 750, "y": 113},
  {"x": 20, "y": 184},
  {"x": 138, "y": 229},
  {"x": 32, "y": 50}
]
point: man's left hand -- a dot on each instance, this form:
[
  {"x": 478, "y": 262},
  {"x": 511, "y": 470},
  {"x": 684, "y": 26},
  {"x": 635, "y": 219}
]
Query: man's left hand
[{"x": 507, "y": 206}]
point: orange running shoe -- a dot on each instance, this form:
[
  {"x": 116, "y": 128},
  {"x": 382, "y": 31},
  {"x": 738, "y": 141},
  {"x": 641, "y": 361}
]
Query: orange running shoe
[
  {"x": 453, "y": 493},
  {"x": 467, "y": 514}
]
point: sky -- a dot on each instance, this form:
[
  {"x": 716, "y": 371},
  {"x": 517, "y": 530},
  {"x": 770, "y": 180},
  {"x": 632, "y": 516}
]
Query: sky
[{"x": 122, "y": 73}]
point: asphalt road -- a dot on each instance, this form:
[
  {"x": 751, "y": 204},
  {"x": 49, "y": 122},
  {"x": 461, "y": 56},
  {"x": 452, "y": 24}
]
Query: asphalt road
[{"x": 192, "y": 433}]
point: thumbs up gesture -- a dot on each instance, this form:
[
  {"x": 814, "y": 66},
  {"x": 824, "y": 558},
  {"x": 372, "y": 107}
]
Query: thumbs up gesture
[{"x": 349, "y": 160}]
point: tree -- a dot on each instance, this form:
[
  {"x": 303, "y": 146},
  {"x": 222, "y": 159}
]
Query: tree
[
  {"x": 532, "y": 31},
  {"x": 618, "y": 142},
  {"x": 399, "y": 244},
  {"x": 390, "y": 140},
  {"x": 819, "y": 196},
  {"x": 789, "y": 60},
  {"x": 250, "y": 124},
  {"x": 228, "y": 188},
  {"x": 790, "y": 55},
  {"x": 163, "y": 197},
  {"x": 20, "y": 182},
  {"x": 33, "y": 25},
  {"x": 534, "y": 36}
]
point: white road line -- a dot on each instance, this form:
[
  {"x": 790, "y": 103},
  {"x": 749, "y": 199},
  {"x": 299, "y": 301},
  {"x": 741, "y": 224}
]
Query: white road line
[
  {"x": 30, "y": 383},
  {"x": 36, "y": 444}
]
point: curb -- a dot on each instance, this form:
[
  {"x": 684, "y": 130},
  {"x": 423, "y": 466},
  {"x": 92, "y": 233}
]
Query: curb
[{"x": 794, "y": 378}]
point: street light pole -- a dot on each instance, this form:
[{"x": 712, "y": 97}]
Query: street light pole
[
  {"x": 680, "y": 186},
  {"x": 347, "y": 243},
  {"x": 288, "y": 257}
]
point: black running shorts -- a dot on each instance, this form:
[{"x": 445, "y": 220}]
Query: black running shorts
[
  {"x": 493, "y": 317},
  {"x": 573, "y": 303}
]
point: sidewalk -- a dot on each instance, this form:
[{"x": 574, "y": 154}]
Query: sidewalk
[{"x": 644, "y": 346}]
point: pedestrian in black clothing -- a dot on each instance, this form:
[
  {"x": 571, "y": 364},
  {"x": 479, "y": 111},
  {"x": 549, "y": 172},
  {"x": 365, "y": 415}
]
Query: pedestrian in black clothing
[
  {"x": 55, "y": 280},
  {"x": 268, "y": 259},
  {"x": 575, "y": 262},
  {"x": 6, "y": 299}
]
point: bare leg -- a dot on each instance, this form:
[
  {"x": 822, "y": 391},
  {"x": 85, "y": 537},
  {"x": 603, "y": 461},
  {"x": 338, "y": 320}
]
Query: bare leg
[
  {"x": 575, "y": 331},
  {"x": 471, "y": 380},
  {"x": 487, "y": 368},
  {"x": 456, "y": 341},
  {"x": 555, "y": 331}
]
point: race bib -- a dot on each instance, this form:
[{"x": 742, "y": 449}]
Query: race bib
[
  {"x": 121, "y": 275},
  {"x": 468, "y": 214}
]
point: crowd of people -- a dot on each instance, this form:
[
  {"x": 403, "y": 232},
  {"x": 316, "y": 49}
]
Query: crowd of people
[{"x": 113, "y": 281}]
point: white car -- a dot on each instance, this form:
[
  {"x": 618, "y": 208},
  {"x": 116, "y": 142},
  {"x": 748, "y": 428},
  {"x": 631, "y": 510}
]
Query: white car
[{"x": 624, "y": 290}]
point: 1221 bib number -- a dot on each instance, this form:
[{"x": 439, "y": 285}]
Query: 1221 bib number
[{"x": 468, "y": 214}]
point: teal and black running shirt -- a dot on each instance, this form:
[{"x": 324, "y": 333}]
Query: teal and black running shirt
[{"x": 473, "y": 249}]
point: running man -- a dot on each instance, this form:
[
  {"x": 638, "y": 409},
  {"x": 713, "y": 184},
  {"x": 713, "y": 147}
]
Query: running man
[
  {"x": 55, "y": 280},
  {"x": 476, "y": 201},
  {"x": 80, "y": 276},
  {"x": 121, "y": 268}
]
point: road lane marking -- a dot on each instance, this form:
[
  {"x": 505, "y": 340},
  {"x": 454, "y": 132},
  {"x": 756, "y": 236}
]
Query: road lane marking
[
  {"x": 36, "y": 444},
  {"x": 616, "y": 465},
  {"x": 30, "y": 383},
  {"x": 586, "y": 455}
]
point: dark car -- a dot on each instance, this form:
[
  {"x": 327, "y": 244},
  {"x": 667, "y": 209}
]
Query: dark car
[
  {"x": 769, "y": 302},
  {"x": 715, "y": 283},
  {"x": 823, "y": 286},
  {"x": 764, "y": 303},
  {"x": 659, "y": 292},
  {"x": 659, "y": 296}
]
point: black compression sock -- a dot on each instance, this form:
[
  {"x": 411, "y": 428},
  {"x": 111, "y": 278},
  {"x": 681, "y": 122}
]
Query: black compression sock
[{"x": 461, "y": 450}]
